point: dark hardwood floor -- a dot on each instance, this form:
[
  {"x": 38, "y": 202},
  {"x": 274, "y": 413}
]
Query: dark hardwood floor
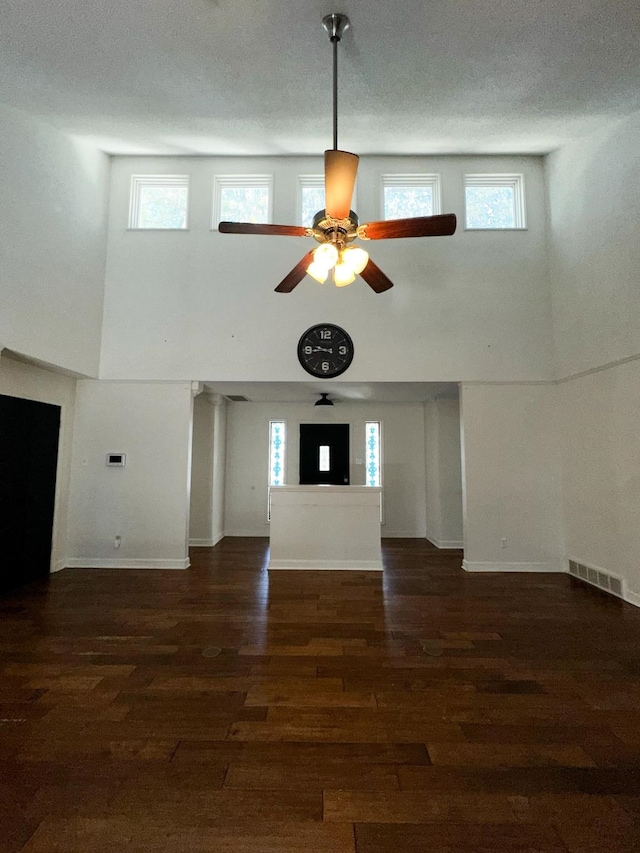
[{"x": 225, "y": 709}]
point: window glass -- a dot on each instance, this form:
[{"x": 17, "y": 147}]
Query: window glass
[
  {"x": 276, "y": 452},
  {"x": 311, "y": 201},
  {"x": 494, "y": 201},
  {"x": 373, "y": 475},
  {"x": 244, "y": 204},
  {"x": 324, "y": 461},
  {"x": 490, "y": 207},
  {"x": 242, "y": 198},
  {"x": 159, "y": 201},
  {"x": 407, "y": 196},
  {"x": 401, "y": 202}
]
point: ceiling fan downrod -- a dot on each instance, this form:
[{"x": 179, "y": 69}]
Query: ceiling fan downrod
[{"x": 335, "y": 25}]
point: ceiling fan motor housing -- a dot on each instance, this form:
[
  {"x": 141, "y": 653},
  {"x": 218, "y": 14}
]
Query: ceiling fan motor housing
[{"x": 326, "y": 229}]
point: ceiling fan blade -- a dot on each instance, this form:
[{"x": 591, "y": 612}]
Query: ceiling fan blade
[
  {"x": 419, "y": 226},
  {"x": 258, "y": 228},
  {"x": 296, "y": 275},
  {"x": 375, "y": 278},
  {"x": 340, "y": 168}
]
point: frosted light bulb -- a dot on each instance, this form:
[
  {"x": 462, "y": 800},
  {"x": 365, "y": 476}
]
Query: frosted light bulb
[
  {"x": 343, "y": 275},
  {"x": 326, "y": 255},
  {"x": 355, "y": 258},
  {"x": 317, "y": 271}
]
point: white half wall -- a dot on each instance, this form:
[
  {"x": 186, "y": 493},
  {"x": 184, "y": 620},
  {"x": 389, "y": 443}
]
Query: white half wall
[
  {"x": 18, "y": 379},
  {"x": 443, "y": 473},
  {"x": 511, "y": 478},
  {"x": 206, "y": 525},
  {"x": 53, "y": 238},
  {"x": 248, "y": 460},
  {"x": 146, "y": 503},
  {"x": 601, "y": 482}
]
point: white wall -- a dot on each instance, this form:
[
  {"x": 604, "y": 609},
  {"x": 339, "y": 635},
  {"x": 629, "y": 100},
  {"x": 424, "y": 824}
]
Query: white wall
[
  {"x": 594, "y": 192},
  {"x": 207, "y": 470},
  {"x": 53, "y": 229},
  {"x": 432, "y": 472},
  {"x": 199, "y": 304},
  {"x": 147, "y": 501},
  {"x": 248, "y": 461},
  {"x": 511, "y": 478},
  {"x": 601, "y": 444},
  {"x": 443, "y": 473},
  {"x": 219, "y": 468},
  {"x": 34, "y": 383},
  {"x": 201, "y": 512}
]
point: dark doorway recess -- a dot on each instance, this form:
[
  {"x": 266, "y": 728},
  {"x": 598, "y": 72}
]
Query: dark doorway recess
[
  {"x": 324, "y": 454},
  {"x": 29, "y": 433}
]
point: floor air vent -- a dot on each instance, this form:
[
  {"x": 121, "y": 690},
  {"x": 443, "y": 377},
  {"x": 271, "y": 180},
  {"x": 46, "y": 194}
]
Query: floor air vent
[{"x": 596, "y": 577}]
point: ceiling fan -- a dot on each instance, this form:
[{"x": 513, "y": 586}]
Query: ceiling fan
[{"x": 336, "y": 227}]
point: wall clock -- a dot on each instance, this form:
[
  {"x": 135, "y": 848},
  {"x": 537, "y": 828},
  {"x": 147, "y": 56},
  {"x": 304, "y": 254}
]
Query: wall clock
[{"x": 325, "y": 350}]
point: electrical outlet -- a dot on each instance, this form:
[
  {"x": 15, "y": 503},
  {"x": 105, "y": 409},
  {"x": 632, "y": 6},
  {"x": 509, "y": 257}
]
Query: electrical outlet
[
  {"x": 117, "y": 542},
  {"x": 503, "y": 543}
]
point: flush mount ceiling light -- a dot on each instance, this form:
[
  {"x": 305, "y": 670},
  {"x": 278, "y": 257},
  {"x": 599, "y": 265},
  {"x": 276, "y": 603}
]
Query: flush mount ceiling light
[
  {"x": 324, "y": 400},
  {"x": 337, "y": 226}
]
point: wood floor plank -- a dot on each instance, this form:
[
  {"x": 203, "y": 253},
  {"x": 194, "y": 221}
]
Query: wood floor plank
[
  {"x": 508, "y": 755},
  {"x": 278, "y": 777},
  {"x": 417, "y": 807},
  {"x": 301, "y": 753},
  {"x": 457, "y": 838},
  {"x": 143, "y": 835}
]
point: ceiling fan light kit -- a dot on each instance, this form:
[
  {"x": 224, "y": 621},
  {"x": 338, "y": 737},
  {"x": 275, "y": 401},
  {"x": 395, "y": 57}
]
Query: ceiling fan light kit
[{"x": 337, "y": 225}]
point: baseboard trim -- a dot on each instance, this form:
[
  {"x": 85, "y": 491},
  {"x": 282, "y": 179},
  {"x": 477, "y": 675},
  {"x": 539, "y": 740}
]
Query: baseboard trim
[
  {"x": 92, "y": 563},
  {"x": 248, "y": 534},
  {"x": 400, "y": 534},
  {"x": 510, "y": 567},
  {"x": 205, "y": 543},
  {"x": 58, "y": 566},
  {"x": 444, "y": 544},
  {"x": 327, "y": 565}
]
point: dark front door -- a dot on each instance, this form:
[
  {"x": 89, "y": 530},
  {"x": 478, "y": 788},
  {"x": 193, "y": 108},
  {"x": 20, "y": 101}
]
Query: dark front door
[
  {"x": 28, "y": 458},
  {"x": 324, "y": 454}
]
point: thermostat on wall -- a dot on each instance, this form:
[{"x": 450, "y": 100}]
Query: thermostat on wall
[{"x": 118, "y": 460}]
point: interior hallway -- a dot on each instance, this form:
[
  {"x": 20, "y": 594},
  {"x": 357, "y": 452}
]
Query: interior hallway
[{"x": 226, "y": 709}]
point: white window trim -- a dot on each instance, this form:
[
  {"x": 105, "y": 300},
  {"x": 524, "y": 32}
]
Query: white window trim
[
  {"x": 138, "y": 182},
  {"x": 306, "y": 181},
  {"x": 516, "y": 182},
  {"x": 222, "y": 181},
  {"x": 432, "y": 180}
]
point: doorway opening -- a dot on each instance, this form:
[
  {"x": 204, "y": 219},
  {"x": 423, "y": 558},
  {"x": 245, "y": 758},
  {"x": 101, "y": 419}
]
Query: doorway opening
[{"x": 29, "y": 434}]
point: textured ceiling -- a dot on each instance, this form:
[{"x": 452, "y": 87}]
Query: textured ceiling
[{"x": 254, "y": 76}]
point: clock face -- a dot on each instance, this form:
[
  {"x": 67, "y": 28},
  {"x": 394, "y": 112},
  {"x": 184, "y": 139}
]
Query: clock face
[{"x": 325, "y": 350}]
